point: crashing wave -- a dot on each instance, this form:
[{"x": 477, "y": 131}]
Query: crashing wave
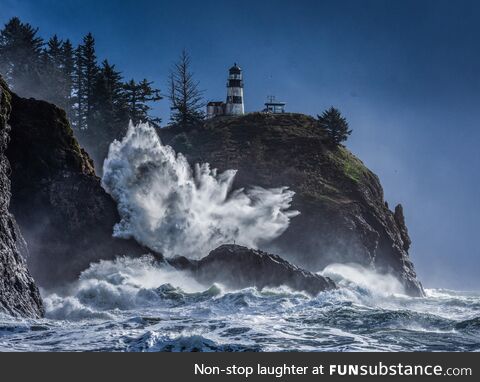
[
  {"x": 142, "y": 305},
  {"x": 172, "y": 209}
]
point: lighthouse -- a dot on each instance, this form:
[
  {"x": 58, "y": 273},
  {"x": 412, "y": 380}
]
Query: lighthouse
[{"x": 234, "y": 104}]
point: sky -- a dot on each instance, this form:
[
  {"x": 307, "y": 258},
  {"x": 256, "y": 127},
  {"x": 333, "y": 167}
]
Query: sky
[{"x": 406, "y": 74}]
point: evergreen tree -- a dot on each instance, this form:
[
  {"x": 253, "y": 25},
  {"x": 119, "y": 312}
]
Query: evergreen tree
[
  {"x": 184, "y": 93},
  {"x": 110, "y": 112},
  {"x": 111, "y": 109},
  {"x": 85, "y": 78},
  {"x": 68, "y": 69},
  {"x": 54, "y": 51},
  {"x": 20, "y": 57},
  {"x": 335, "y": 125},
  {"x": 52, "y": 73},
  {"x": 58, "y": 73},
  {"x": 96, "y": 100},
  {"x": 78, "y": 97},
  {"x": 139, "y": 96}
]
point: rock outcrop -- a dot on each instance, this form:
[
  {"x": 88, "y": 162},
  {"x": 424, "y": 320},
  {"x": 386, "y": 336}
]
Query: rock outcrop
[
  {"x": 64, "y": 214},
  {"x": 344, "y": 217},
  {"x": 67, "y": 218},
  {"x": 19, "y": 294},
  {"x": 239, "y": 267}
]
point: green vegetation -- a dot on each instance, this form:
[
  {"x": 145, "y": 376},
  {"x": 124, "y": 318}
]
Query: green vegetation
[
  {"x": 335, "y": 126},
  {"x": 351, "y": 166},
  {"x": 97, "y": 100}
]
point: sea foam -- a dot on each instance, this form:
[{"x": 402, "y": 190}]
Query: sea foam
[{"x": 174, "y": 209}]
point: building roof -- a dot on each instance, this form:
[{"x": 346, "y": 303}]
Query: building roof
[
  {"x": 235, "y": 69},
  {"x": 215, "y": 103},
  {"x": 271, "y": 101}
]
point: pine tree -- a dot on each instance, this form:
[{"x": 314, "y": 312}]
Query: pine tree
[
  {"x": 78, "y": 123},
  {"x": 111, "y": 109},
  {"x": 52, "y": 73},
  {"x": 110, "y": 112},
  {"x": 20, "y": 57},
  {"x": 68, "y": 68},
  {"x": 184, "y": 93},
  {"x": 139, "y": 96},
  {"x": 335, "y": 125},
  {"x": 54, "y": 51},
  {"x": 85, "y": 79},
  {"x": 96, "y": 100}
]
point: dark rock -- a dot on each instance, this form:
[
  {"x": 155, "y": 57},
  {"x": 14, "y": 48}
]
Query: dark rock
[
  {"x": 18, "y": 293},
  {"x": 240, "y": 267},
  {"x": 400, "y": 220},
  {"x": 343, "y": 218},
  {"x": 65, "y": 215}
]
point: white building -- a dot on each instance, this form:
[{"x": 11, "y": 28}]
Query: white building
[
  {"x": 234, "y": 104},
  {"x": 215, "y": 108}
]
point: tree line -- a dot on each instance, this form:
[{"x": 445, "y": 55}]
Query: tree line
[{"x": 98, "y": 101}]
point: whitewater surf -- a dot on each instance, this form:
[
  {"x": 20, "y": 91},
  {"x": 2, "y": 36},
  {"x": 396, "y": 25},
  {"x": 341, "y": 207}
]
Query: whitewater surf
[
  {"x": 176, "y": 210},
  {"x": 140, "y": 305}
]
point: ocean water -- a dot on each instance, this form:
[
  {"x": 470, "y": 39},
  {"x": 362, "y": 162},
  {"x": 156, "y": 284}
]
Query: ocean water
[{"x": 138, "y": 305}]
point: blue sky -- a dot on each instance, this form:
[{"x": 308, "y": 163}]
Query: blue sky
[{"x": 405, "y": 73}]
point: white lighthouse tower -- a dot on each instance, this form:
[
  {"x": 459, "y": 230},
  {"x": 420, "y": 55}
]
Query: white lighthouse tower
[{"x": 234, "y": 104}]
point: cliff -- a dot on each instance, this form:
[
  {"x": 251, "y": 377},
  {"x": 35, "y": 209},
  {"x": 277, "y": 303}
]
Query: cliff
[
  {"x": 18, "y": 293},
  {"x": 344, "y": 217},
  {"x": 64, "y": 214},
  {"x": 67, "y": 218}
]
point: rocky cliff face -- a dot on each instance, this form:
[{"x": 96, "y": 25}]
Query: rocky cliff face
[
  {"x": 67, "y": 218},
  {"x": 344, "y": 217},
  {"x": 239, "y": 267},
  {"x": 18, "y": 293},
  {"x": 64, "y": 214}
]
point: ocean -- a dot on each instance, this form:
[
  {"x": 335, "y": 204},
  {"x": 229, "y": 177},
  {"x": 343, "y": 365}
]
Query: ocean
[{"x": 138, "y": 305}]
